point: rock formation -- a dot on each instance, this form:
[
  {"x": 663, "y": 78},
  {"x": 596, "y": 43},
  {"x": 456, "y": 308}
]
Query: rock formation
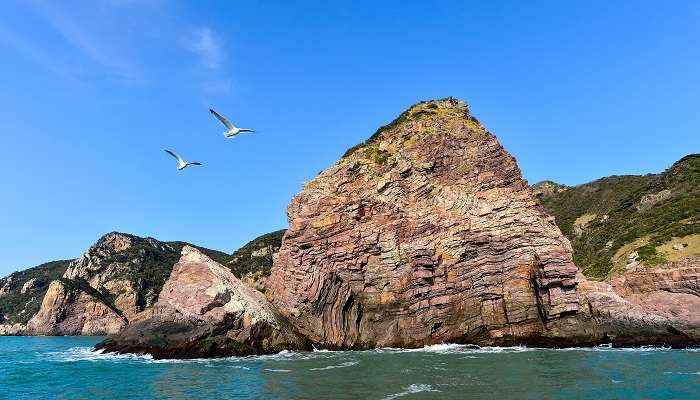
[
  {"x": 205, "y": 311},
  {"x": 424, "y": 234},
  {"x": 427, "y": 233},
  {"x": 22, "y": 292},
  {"x": 70, "y": 309},
  {"x": 547, "y": 188},
  {"x": 128, "y": 269}
]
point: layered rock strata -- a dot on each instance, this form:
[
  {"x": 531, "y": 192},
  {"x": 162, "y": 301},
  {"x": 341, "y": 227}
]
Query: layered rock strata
[{"x": 427, "y": 233}]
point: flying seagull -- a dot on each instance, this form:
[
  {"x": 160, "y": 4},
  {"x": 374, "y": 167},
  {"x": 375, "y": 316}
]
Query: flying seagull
[
  {"x": 232, "y": 130},
  {"x": 181, "y": 164}
]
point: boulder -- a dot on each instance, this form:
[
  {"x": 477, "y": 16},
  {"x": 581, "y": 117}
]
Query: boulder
[{"x": 205, "y": 311}]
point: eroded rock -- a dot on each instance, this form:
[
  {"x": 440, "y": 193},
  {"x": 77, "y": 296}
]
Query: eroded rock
[
  {"x": 72, "y": 308},
  {"x": 205, "y": 311},
  {"x": 425, "y": 234}
]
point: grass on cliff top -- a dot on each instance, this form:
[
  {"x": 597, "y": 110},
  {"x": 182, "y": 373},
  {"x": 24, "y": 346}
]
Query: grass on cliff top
[
  {"x": 616, "y": 197},
  {"x": 412, "y": 113},
  {"x": 241, "y": 262},
  {"x": 16, "y": 307}
]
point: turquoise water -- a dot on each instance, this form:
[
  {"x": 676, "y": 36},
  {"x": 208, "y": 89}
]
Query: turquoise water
[{"x": 66, "y": 368}]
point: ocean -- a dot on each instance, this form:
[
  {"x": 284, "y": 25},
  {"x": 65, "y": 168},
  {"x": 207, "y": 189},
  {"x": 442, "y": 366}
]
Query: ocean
[{"x": 67, "y": 368}]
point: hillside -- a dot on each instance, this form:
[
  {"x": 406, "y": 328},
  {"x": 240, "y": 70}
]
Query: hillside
[
  {"x": 121, "y": 274},
  {"x": 620, "y": 223},
  {"x": 21, "y": 292}
]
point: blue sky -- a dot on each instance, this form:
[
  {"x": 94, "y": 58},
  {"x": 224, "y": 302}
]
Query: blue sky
[{"x": 92, "y": 92}]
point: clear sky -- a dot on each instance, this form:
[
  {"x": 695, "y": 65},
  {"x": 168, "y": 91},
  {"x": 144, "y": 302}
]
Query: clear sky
[{"x": 92, "y": 92}]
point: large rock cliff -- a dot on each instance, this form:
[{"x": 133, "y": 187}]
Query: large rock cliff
[{"x": 425, "y": 233}]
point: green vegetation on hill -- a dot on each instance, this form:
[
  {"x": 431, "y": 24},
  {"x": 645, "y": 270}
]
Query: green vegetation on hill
[
  {"x": 244, "y": 261},
  {"x": 17, "y": 307},
  {"x": 642, "y": 211},
  {"x": 146, "y": 264}
]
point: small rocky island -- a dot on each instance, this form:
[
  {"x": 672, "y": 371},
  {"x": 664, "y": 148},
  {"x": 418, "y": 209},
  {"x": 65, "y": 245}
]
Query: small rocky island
[{"x": 425, "y": 233}]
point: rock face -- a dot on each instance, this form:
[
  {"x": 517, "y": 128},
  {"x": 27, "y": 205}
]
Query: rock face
[
  {"x": 11, "y": 329},
  {"x": 424, "y": 234},
  {"x": 130, "y": 269},
  {"x": 22, "y": 292},
  {"x": 205, "y": 311},
  {"x": 68, "y": 309}
]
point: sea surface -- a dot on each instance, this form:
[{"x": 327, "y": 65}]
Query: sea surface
[{"x": 67, "y": 368}]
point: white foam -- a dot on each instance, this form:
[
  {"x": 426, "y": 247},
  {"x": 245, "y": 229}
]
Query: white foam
[
  {"x": 343, "y": 365},
  {"x": 412, "y": 389},
  {"x": 452, "y": 348},
  {"x": 74, "y": 354},
  {"x": 277, "y": 370}
]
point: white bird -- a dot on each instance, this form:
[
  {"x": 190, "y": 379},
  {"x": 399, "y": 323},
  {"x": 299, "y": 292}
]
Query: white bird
[
  {"x": 181, "y": 164},
  {"x": 232, "y": 129}
]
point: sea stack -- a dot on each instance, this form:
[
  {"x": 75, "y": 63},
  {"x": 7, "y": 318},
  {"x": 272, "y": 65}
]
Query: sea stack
[{"x": 425, "y": 233}]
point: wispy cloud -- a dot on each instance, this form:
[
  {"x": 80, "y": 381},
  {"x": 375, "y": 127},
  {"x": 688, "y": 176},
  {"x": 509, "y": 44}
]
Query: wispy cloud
[
  {"x": 31, "y": 52},
  {"x": 85, "y": 43},
  {"x": 207, "y": 46}
]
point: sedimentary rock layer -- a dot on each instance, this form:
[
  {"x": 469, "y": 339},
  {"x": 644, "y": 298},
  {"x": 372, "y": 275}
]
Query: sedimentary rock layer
[{"x": 426, "y": 233}]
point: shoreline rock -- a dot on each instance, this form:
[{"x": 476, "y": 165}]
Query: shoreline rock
[{"x": 205, "y": 311}]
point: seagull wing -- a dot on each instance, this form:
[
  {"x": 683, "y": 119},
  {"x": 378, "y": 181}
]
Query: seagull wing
[
  {"x": 222, "y": 119},
  {"x": 179, "y": 159},
  {"x": 195, "y": 163}
]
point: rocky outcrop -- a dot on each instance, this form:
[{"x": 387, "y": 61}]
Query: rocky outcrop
[
  {"x": 653, "y": 307},
  {"x": 117, "y": 280},
  {"x": 205, "y": 311},
  {"x": 650, "y": 200},
  {"x": 129, "y": 269},
  {"x": 22, "y": 292},
  {"x": 6, "y": 286},
  {"x": 71, "y": 309},
  {"x": 31, "y": 285},
  {"x": 424, "y": 234},
  {"x": 11, "y": 329},
  {"x": 547, "y": 188}
]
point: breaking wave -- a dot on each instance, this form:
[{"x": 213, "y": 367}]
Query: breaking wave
[
  {"x": 343, "y": 365},
  {"x": 412, "y": 389}
]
